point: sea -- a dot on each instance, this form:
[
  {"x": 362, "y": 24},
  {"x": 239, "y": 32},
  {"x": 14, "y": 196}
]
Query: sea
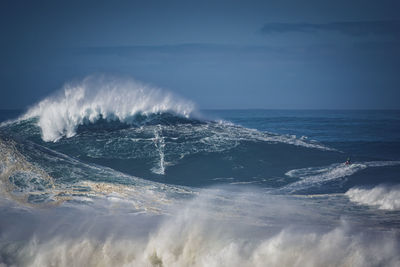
[{"x": 118, "y": 173}]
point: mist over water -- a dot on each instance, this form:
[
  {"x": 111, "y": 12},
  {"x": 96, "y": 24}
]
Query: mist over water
[
  {"x": 112, "y": 172},
  {"x": 205, "y": 231}
]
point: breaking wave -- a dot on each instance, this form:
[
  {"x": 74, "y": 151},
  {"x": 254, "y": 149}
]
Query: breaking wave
[
  {"x": 196, "y": 248},
  {"x": 102, "y": 98},
  {"x": 197, "y": 234},
  {"x": 384, "y": 197}
]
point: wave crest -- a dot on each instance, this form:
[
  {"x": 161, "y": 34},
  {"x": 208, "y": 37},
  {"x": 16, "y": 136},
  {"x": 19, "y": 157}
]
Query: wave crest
[{"x": 97, "y": 98}]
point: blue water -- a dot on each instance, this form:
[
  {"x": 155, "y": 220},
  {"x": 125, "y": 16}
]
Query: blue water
[
  {"x": 157, "y": 182},
  {"x": 366, "y": 132},
  {"x": 248, "y": 146}
]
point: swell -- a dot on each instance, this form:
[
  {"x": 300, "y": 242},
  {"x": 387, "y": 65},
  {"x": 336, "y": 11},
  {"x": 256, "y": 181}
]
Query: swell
[{"x": 197, "y": 153}]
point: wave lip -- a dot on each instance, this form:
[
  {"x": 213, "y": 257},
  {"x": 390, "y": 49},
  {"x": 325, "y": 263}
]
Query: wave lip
[
  {"x": 106, "y": 98},
  {"x": 383, "y": 197}
]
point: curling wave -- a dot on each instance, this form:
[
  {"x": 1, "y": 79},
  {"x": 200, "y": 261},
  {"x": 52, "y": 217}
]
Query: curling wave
[{"x": 102, "y": 98}]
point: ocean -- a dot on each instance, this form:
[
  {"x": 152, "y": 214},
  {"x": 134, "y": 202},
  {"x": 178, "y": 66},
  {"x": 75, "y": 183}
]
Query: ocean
[{"x": 111, "y": 173}]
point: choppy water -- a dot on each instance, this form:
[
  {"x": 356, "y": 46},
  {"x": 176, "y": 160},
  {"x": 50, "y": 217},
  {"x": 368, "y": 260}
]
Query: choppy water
[{"x": 118, "y": 173}]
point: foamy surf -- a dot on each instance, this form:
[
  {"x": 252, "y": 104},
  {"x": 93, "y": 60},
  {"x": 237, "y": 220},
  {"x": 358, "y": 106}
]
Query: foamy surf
[
  {"x": 33, "y": 186},
  {"x": 313, "y": 176},
  {"x": 203, "y": 232},
  {"x": 385, "y": 197}
]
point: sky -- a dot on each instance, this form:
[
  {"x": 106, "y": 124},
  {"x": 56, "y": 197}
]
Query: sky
[{"x": 220, "y": 54}]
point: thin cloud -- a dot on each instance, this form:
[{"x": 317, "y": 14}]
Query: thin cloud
[{"x": 350, "y": 27}]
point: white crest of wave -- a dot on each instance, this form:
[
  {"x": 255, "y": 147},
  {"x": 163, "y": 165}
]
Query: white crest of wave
[
  {"x": 102, "y": 97},
  {"x": 383, "y": 196}
]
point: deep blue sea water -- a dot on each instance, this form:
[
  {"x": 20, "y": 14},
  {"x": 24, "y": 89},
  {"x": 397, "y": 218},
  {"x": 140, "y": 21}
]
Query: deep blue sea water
[
  {"x": 85, "y": 181},
  {"x": 366, "y": 132}
]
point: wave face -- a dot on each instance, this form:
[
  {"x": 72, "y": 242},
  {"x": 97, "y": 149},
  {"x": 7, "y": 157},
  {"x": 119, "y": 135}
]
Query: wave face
[
  {"x": 101, "y": 98},
  {"x": 115, "y": 173},
  {"x": 189, "y": 152}
]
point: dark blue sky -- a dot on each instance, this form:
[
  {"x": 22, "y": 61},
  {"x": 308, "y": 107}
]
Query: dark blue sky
[{"x": 220, "y": 54}]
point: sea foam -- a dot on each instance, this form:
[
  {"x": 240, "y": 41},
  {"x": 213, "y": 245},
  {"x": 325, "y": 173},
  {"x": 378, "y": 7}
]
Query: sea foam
[
  {"x": 102, "y": 97},
  {"x": 193, "y": 236},
  {"x": 312, "y": 176},
  {"x": 383, "y": 196}
]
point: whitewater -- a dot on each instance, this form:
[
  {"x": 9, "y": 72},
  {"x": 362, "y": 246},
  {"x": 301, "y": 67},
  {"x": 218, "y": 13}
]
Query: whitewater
[
  {"x": 106, "y": 98},
  {"x": 114, "y": 172}
]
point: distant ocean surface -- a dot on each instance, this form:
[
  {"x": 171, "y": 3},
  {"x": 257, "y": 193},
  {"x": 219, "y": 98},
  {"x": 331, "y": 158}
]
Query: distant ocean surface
[{"x": 127, "y": 175}]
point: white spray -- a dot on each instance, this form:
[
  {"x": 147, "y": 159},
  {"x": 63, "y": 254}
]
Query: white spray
[
  {"x": 102, "y": 97},
  {"x": 159, "y": 143}
]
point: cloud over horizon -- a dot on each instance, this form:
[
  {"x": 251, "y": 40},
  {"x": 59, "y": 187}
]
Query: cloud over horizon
[{"x": 355, "y": 28}]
